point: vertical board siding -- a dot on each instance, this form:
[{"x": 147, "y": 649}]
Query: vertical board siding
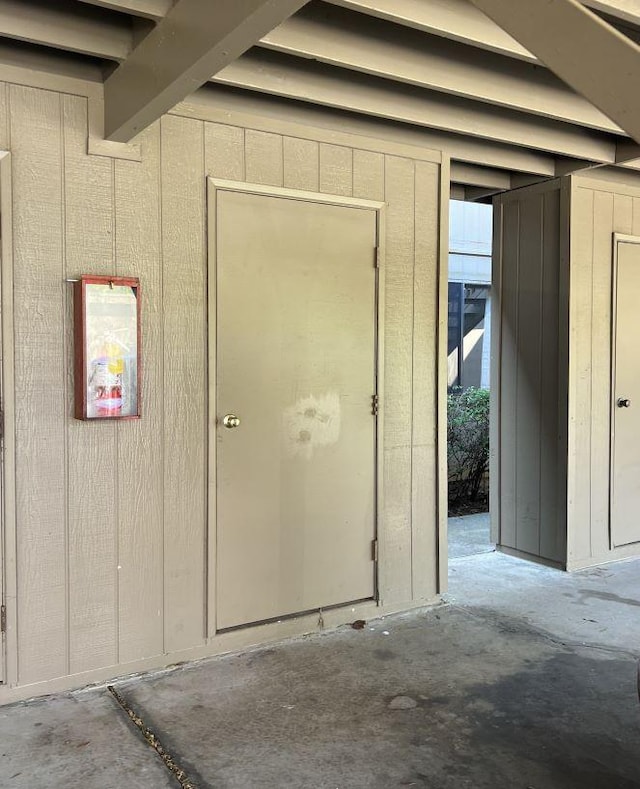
[
  {"x": 635, "y": 216},
  {"x": 37, "y": 148},
  {"x": 183, "y": 276},
  {"x": 528, "y": 377},
  {"x": 400, "y": 234},
  {"x": 264, "y": 158},
  {"x": 597, "y": 213},
  {"x": 224, "y": 151},
  {"x": 552, "y": 521},
  {"x": 112, "y": 544},
  {"x": 424, "y": 419},
  {"x": 531, "y": 389},
  {"x": 140, "y": 443},
  {"x": 580, "y": 310},
  {"x": 336, "y": 170},
  {"x": 600, "y": 320},
  {"x": 5, "y": 120},
  {"x": 508, "y": 379},
  {"x": 368, "y": 175},
  {"x": 301, "y": 164},
  {"x": 91, "y": 473}
]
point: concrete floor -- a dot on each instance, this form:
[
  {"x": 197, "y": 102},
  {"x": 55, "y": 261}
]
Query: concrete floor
[
  {"x": 525, "y": 679},
  {"x": 469, "y": 534}
]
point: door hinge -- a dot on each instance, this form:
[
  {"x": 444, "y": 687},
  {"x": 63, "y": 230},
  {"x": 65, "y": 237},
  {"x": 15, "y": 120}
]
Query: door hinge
[
  {"x": 376, "y": 256},
  {"x": 3, "y": 618},
  {"x": 375, "y": 403},
  {"x": 374, "y": 550}
]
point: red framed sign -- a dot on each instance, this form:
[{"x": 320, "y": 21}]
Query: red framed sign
[{"x": 108, "y": 363}]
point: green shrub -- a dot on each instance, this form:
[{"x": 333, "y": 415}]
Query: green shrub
[{"x": 467, "y": 443}]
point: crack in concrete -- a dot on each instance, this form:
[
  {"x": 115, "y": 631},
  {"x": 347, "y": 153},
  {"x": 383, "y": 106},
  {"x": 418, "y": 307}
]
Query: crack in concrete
[{"x": 152, "y": 740}]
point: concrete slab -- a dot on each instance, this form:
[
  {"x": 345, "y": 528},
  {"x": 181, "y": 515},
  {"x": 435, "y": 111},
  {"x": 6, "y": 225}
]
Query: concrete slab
[
  {"x": 469, "y": 535},
  {"x": 509, "y": 686},
  {"x": 598, "y": 606},
  {"x": 75, "y": 741}
]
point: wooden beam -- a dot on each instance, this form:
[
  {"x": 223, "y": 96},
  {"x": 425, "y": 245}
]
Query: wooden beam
[
  {"x": 627, "y": 151},
  {"x": 459, "y": 20},
  {"x": 480, "y": 194},
  {"x": 592, "y": 57},
  {"x": 303, "y": 80},
  {"x": 149, "y": 9},
  {"x": 454, "y": 19},
  {"x": 67, "y": 25},
  {"x": 484, "y": 177},
  {"x": 221, "y": 104},
  {"x": 347, "y": 39},
  {"x": 194, "y": 40},
  {"x": 625, "y": 10}
]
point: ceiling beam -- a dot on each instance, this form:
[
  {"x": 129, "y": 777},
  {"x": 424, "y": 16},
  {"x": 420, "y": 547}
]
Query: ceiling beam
[
  {"x": 625, "y": 10},
  {"x": 454, "y": 19},
  {"x": 196, "y": 39},
  {"x": 588, "y": 54},
  {"x": 484, "y": 177},
  {"x": 343, "y": 38},
  {"x": 303, "y": 80},
  {"x": 149, "y": 9},
  {"x": 67, "y": 25},
  {"x": 627, "y": 151},
  {"x": 479, "y": 194}
]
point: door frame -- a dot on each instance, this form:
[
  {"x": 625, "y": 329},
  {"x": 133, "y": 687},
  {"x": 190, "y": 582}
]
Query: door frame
[
  {"x": 618, "y": 238},
  {"x": 215, "y": 185}
]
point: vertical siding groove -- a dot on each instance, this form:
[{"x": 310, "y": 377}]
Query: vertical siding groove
[
  {"x": 413, "y": 383},
  {"x": 163, "y": 608},
  {"x": 541, "y": 300},
  {"x": 68, "y": 295},
  {"x": 116, "y": 453}
]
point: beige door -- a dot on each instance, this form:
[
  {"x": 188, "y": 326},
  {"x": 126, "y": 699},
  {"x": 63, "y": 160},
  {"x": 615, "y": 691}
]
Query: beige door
[
  {"x": 296, "y": 364},
  {"x": 625, "y": 505}
]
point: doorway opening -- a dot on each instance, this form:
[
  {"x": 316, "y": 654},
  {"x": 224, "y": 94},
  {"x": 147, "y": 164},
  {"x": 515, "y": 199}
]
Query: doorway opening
[{"x": 468, "y": 378}]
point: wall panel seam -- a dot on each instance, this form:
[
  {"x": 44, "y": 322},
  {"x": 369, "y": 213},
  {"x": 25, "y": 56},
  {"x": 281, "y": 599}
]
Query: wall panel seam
[
  {"x": 116, "y": 431},
  {"x": 413, "y": 385},
  {"x": 163, "y": 379},
  {"x": 205, "y": 381},
  {"x": 66, "y": 296},
  {"x": 540, "y": 368}
]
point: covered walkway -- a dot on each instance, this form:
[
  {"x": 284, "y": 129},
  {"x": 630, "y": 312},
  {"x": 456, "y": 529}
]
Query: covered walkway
[{"x": 526, "y": 677}]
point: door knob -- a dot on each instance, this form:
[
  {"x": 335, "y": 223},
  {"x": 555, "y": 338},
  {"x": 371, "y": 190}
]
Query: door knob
[
  {"x": 231, "y": 420},
  {"x": 624, "y": 402}
]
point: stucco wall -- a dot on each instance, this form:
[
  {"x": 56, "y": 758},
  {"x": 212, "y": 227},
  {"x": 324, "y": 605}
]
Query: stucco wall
[{"x": 106, "y": 557}]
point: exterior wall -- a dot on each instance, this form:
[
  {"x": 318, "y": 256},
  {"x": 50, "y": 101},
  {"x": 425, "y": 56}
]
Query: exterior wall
[
  {"x": 529, "y": 386},
  {"x": 109, "y": 568},
  {"x": 602, "y": 203}
]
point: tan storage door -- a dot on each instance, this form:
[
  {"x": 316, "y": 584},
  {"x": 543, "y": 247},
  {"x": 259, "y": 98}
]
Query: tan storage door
[
  {"x": 625, "y": 510},
  {"x": 296, "y": 363}
]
